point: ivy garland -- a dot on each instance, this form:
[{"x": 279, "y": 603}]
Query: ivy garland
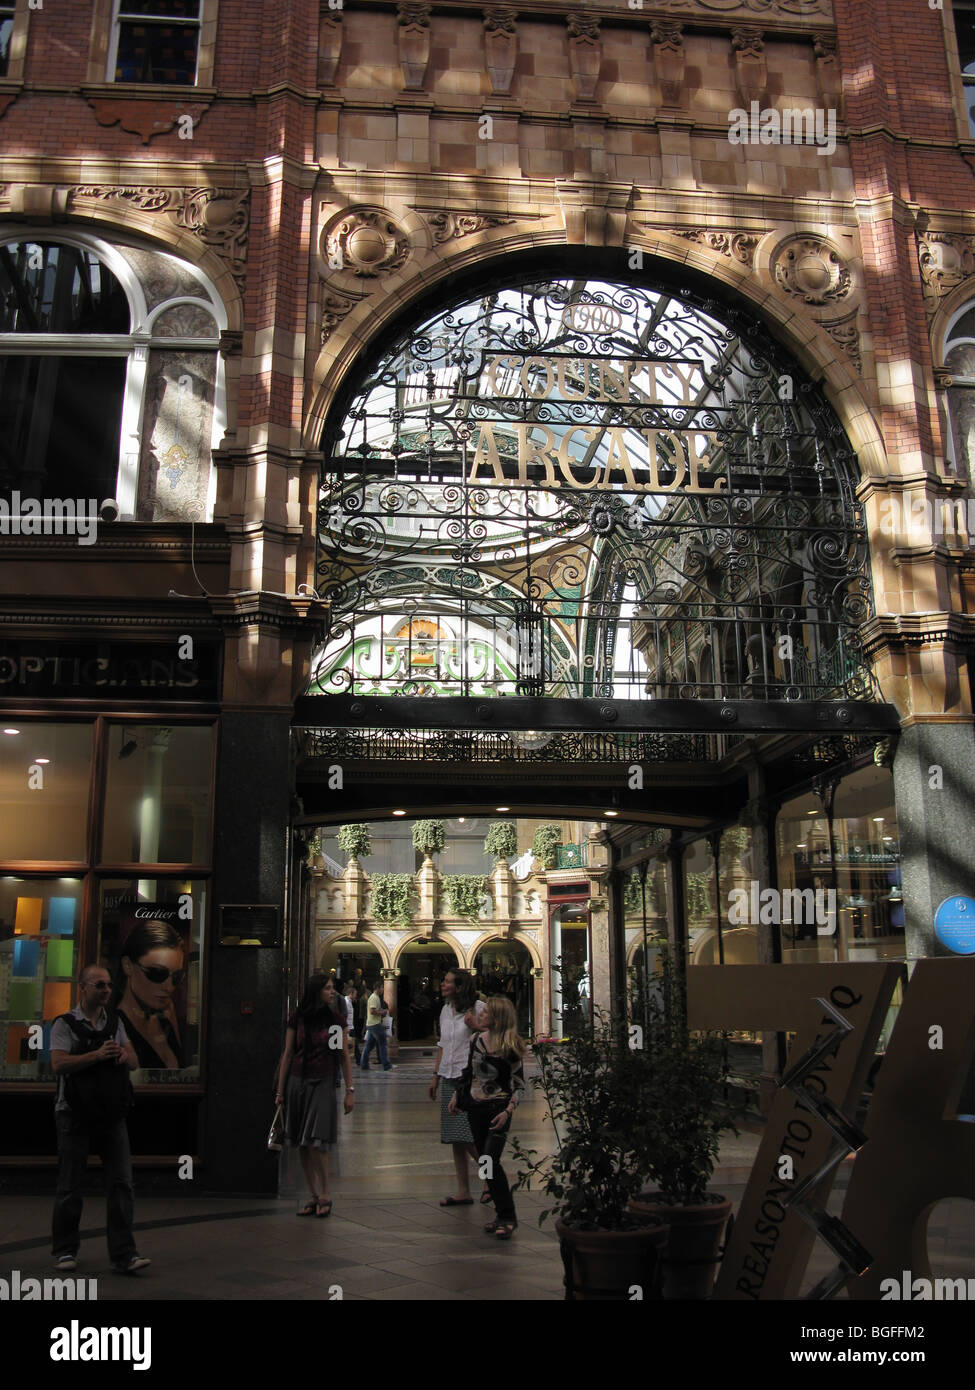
[
  {"x": 465, "y": 892},
  {"x": 429, "y": 836},
  {"x": 699, "y": 895},
  {"x": 392, "y": 898},
  {"x": 355, "y": 840}
]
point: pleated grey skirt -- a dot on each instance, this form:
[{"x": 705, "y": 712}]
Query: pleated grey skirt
[
  {"x": 454, "y": 1129},
  {"x": 311, "y": 1113}
]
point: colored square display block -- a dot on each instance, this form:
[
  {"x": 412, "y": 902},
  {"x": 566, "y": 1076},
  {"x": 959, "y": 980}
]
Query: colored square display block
[
  {"x": 17, "y": 1050},
  {"x": 60, "y": 916},
  {"x": 27, "y": 922},
  {"x": 60, "y": 959},
  {"x": 57, "y": 999},
  {"x": 27, "y": 956},
  {"x": 22, "y": 1004}
]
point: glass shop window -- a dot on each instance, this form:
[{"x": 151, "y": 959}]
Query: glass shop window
[
  {"x": 40, "y": 921},
  {"x": 44, "y": 777},
  {"x": 151, "y": 940},
  {"x": 157, "y": 798}
]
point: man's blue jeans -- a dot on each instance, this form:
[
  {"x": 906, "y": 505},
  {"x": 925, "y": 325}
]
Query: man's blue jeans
[
  {"x": 376, "y": 1034},
  {"x": 111, "y": 1143}
]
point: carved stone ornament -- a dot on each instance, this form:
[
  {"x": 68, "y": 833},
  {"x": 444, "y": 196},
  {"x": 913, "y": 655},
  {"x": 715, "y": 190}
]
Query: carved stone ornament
[
  {"x": 806, "y": 268},
  {"x": 810, "y": 9},
  {"x": 334, "y": 309},
  {"x": 500, "y": 47},
  {"x": 145, "y": 118},
  {"x": 748, "y": 39},
  {"x": 668, "y": 59},
  {"x": 585, "y": 54},
  {"x": 844, "y": 334},
  {"x": 414, "y": 43},
  {"x": 218, "y": 216},
  {"x": 739, "y": 246},
  {"x": 946, "y": 260},
  {"x": 366, "y": 242},
  {"x": 751, "y": 68},
  {"x": 448, "y": 225},
  {"x": 329, "y": 47}
]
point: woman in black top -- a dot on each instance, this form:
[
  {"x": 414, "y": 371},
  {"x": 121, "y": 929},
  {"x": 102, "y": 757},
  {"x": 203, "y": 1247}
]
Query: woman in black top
[
  {"x": 315, "y": 1050},
  {"x": 492, "y": 1086}
]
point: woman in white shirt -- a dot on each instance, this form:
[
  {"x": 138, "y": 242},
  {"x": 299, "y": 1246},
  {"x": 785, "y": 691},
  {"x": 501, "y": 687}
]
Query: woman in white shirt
[{"x": 452, "y": 1054}]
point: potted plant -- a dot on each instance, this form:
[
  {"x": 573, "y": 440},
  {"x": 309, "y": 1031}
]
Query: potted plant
[
  {"x": 687, "y": 1112},
  {"x": 501, "y": 840},
  {"x": 429, "y": 837},
  {"x": 355, "y": 841},
  {"x": 595, "y": 1086},
  {"x": 545, "y": 845},
  {"x": 465, "y": 892}
]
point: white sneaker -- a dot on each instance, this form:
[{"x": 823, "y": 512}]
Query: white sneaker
[
  {"x": 66, "y": 1262},
  {"x": 132, "y": 1265}
]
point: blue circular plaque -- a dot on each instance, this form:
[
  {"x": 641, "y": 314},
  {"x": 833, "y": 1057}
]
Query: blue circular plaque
[{"x": 954, "y": 925}]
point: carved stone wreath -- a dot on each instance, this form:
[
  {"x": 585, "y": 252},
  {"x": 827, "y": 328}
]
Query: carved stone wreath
[
  {"x": 367, "y": 242},
  {"x": 810, "y": 270}
]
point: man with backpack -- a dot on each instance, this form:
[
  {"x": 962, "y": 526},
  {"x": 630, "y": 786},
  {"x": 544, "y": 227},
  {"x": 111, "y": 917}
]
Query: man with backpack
[{"x": 92, "y": 1058}]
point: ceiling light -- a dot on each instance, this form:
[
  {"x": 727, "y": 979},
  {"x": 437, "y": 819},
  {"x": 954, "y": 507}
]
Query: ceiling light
[
  {"x": 879, "y": 818},
  {"x": 460, "y": 820},
  {"x": 399, "y": 813},
  {"x": 502, "y": 808},
  {"x": 42, "y": 760},
  {"x": 11, "y": 731},
  {"x": 802, "y": 846},
  {"x": 611, "y": 813}
]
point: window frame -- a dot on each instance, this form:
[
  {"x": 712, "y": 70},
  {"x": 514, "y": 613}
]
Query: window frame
[
  {"x": 960, "y": 82},
  {"x": 103, "y": 50},
  {"x": 18, "y": 42},
  {"x": 135, "y": 346}
]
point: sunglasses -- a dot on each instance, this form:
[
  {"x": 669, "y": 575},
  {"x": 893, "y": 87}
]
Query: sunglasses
[{"x": 158, "y": 974}]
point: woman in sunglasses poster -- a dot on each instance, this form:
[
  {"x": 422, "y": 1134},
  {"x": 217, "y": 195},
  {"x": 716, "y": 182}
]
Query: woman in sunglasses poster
[{"x": 151, "y": 982}]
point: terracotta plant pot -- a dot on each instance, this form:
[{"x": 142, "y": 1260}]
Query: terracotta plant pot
[
  {"x": 691, "y": 1259},
  {"x": 609, "y": 1265}
]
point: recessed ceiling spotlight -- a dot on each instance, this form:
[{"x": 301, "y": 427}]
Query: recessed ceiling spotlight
[
  {"x": 399, "y": 813},
  {"x": 460, "y": 820},
  {"x": 611, "y": 813},
  {"x": 502, "y": 808},
  {"x": 11, "y": 731},
  {"x": 42, "y": 760}
]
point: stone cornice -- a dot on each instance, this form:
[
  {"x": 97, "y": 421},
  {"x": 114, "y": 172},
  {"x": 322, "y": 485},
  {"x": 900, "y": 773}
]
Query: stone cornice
[
  {"x": 260, "y": 607},
  {"x": 901, "y": 630}
]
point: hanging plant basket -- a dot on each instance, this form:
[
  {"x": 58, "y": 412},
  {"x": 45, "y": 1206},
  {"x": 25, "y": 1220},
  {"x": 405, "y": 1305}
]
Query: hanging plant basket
[
  {"x": 501, "y": 840},
  {"x": 392, "y": 898},
  {"x": 465, "y": 892},
  {"x": 545, "y": 846},
  {"x": 429, "y": 837},
  {"x": 355, "y": 840}
]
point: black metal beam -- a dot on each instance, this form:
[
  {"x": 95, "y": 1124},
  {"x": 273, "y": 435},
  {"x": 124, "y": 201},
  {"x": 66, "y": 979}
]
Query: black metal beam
[{"x": 530, "y": 712}]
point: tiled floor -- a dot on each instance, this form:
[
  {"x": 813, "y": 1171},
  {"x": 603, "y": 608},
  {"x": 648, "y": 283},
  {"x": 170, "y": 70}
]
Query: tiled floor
[{"x": 387, "y": 1238}]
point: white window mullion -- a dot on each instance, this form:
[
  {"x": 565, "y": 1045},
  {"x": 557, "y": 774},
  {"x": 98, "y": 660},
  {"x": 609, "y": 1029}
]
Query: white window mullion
[{"x": 130, "y": 433}]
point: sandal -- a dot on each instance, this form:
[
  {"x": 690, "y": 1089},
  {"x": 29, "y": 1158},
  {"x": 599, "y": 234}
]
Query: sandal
[
  {"x": 309, "y": 1208},
  {"x": 492, "y": 1227},
  {"x": 457, "y": 1202},
  {"x": 485, "y": 1197},
  {"x": 504, "y": 1230},
  {"x": 323, "y": 1202}
]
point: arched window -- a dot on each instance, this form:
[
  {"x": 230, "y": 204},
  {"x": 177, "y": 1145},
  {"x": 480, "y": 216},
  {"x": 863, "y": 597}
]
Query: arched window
[
  {"x": 109, "y": 376},
  {"x": 960, "y": 364}
]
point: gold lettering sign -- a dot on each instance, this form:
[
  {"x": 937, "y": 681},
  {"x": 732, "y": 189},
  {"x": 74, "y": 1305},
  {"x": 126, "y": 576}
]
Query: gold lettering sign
[{"x": 538, "y": 447}]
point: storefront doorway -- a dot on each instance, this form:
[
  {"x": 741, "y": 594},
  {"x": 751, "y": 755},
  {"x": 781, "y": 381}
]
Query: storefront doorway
[
  {"x": 505, "y": 967},
  {"x": 570, "y": 955},
  {"x": 422, "y": 966}
]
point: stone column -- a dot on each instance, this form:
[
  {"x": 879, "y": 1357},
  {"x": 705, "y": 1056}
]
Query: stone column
[
  {"x": 389, "y": 994},
  {"x": 934, "y": 790}
]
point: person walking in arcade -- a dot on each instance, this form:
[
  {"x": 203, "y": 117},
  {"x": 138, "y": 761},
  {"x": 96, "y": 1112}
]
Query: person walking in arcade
[
  {"x": 459, "y": 1000},
  {"x": 315, "y": 1049},
  {"x": 490, "y": 1090}
]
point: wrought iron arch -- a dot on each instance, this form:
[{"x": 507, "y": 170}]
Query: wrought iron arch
[{"x": 585, "y": 486}]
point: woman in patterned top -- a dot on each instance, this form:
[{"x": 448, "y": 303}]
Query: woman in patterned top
[
  {"x": 315, "y": 1048},
  {"x": 492, "y": 1086}
]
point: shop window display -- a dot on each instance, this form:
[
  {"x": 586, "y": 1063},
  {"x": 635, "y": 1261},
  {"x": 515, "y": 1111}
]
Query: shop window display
[
  {"x": 44, "y": 777},
  {"x": 40, "y": 922},
  {"x": 157, "y": 802}
]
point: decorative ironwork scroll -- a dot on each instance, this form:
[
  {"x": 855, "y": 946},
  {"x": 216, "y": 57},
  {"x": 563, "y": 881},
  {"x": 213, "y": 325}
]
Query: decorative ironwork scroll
[{"x": 583, "y": 489}]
